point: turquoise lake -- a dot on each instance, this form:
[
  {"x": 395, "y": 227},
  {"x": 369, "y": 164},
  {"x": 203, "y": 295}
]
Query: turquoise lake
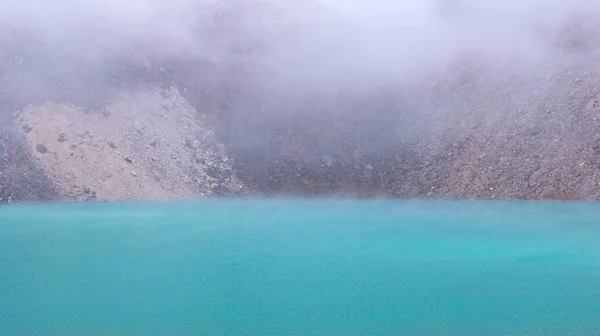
[{"x": 290, "y": 267}]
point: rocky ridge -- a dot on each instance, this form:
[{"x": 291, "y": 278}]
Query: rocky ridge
[{"x": 147, "y": 144}]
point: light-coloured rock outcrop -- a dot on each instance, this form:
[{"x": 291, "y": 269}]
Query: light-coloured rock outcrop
[{"x": 147, "y": 144}]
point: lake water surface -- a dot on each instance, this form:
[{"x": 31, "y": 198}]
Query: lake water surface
[{"x": 300, "y": 268}]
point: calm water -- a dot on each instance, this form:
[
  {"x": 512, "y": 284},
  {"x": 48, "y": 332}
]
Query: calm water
[{"x": 300, "y": 268}]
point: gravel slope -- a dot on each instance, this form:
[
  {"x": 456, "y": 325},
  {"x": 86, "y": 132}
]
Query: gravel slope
[{"x": 148, "y": 144}]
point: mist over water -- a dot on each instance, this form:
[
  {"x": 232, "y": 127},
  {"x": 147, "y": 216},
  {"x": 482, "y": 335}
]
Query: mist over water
[
  {"x": 348, "y": 83},
  {"x": 318, "y": 98}
]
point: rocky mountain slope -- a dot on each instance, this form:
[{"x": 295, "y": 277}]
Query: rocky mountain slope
[
  {"x": 151, "y": 144},
  {"x": 274, "y": 98},
  {"x": 148, "y": 144},
  {"x": 21, "y": 178}
]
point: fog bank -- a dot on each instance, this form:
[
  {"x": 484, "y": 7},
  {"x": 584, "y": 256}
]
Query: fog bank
[{"x": 349, "y": 83}]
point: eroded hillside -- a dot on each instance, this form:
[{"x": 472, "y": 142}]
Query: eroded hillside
[
  {"x": 145, "y": 145},
  {"x": 414, "y": 99}
]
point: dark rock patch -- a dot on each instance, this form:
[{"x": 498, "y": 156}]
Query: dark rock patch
[{"x": 41, "y": 149}]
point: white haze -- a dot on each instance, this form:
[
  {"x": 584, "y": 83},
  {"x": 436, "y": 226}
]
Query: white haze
[
  {"x": 377, "y": 76},
  {"x": 268, "y": 58},
  {"x": 331, "y": 42}
]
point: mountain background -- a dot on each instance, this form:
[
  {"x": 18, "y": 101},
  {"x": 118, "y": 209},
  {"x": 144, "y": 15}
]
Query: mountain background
[{"x": 155, "y": 100}]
